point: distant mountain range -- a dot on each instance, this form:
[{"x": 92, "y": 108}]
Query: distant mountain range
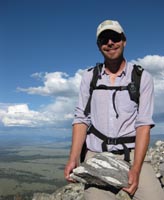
[{"x": 30, "y": 139}]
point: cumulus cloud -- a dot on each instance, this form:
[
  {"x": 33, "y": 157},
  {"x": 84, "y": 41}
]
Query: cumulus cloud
[
  {"x": 55, "y": 84},
  {"x": 63, "y": 89},
  {"x": 59, "y": 85},
  {"x": 54, "y": 115},
  {"x": 20, "y": 115}
]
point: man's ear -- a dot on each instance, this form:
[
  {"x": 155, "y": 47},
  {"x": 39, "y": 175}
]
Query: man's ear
[{"x": 124, "y": 43}]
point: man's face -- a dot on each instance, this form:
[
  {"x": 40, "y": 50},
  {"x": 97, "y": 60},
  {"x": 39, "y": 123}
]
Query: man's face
[{"x": 111, "y": 45}]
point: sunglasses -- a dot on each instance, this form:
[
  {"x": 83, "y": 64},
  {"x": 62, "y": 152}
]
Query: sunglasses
[{"x": 107, "y": 35}]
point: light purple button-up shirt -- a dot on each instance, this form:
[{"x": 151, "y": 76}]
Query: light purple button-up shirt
[{"x": 103, "y": 115}]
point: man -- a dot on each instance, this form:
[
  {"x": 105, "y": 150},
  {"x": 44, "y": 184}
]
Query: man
[{"x": 113, "y": 114}]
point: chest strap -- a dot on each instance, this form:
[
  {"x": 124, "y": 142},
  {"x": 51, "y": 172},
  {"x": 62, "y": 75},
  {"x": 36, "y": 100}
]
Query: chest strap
[
  {"x": 113, "y": 141},
  {"x": 116, "y": 88}
]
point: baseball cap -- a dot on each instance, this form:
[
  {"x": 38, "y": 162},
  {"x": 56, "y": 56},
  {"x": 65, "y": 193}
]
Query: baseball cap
[{"x": 109, "y": 25}]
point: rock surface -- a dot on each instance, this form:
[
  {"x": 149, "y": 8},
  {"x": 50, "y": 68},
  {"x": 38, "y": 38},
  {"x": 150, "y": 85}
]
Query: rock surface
[
  {"x": 156, "y": 157},
  {"x": 68, "y": 192},
  {"x": 103, "y": 169},
  {"x": 72, "y": 191},
  {"x": 75, "y": 191}
]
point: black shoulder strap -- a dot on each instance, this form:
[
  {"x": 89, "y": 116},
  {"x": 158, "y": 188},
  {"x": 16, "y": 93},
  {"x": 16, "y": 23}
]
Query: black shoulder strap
[
  {"x": 96, "y": 75},
  {"x": 136, "y": 74},
  {"x": 134, "y": 86}
]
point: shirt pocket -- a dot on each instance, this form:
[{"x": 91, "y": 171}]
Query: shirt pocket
[
  {"x": 101, "y": 101},
  {"x": 124, "y": 104}
]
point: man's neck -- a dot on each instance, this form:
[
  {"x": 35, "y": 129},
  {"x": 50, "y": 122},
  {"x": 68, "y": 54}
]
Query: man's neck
[{"x": 115, "y": 66}]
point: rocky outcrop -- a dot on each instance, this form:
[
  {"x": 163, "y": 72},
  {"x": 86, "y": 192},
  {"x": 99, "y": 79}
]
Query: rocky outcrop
[
  {"x": 68, "y": 192},
  {"x": 75, "y": 191},
  {"x": 156, "y": 157},
  {"x": 72, "y": 191}
]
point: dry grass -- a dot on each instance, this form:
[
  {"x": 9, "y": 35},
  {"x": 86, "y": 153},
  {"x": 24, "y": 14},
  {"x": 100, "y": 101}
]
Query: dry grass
[{"x": 32, "y": 168}]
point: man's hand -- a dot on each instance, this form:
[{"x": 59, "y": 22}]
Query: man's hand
[
  {"x": 78, "y": 138},
  {"x": 133, "y": 181},
  {"x": 68, "y": 169}
]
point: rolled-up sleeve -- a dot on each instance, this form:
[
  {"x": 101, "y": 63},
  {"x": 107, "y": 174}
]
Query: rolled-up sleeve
[
  {"x": 79, "y": 116},
  {"x": 146, "y": 101}
]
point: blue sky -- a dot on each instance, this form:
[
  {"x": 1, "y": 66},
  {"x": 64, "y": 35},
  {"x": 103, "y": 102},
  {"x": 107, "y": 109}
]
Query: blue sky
[{"x": 46, "y": 44}]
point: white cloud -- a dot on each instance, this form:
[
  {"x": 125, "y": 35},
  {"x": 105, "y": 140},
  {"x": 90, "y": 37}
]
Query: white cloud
[
  {"x": 64, "y": 90},
  {"x": 61, "y": 86},
  {"x": 20, "y": 115},
  {"x": 54, "y": 115},
  {"x": 55, "y": 84}
]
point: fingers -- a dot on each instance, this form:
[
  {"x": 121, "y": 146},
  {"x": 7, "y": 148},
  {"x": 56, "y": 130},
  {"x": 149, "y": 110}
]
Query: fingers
[
  {"x": 68, "y": 169},
  {"x": 67, "y": 175},
  {"x": 131, "y": 189},
  {"x": 132, "y": 183},
  {"x": 67, "y": 172},
  {"x": 69, "y": 179},
  {"x": 131, "y": 180}
]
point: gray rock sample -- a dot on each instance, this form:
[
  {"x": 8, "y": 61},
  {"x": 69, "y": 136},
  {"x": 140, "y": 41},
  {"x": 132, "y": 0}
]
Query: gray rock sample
[{"x": 103, "y": 169}]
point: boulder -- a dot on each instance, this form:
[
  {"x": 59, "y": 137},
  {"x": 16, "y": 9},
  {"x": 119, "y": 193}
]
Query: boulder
[{"x": 103, "y": 169}]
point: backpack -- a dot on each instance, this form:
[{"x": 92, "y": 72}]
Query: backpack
[
  {"x": 134, "y": 92},
  {"x": 133, "y": 87}
]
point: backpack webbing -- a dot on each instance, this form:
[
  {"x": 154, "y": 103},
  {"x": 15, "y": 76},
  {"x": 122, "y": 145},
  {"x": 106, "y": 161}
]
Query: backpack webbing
[
  {"x": 96, "y": 75},
  {"x": 133, "y": 87}
]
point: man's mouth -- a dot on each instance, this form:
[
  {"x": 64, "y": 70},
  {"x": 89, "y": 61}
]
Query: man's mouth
[{"x": 111, "y": 49}]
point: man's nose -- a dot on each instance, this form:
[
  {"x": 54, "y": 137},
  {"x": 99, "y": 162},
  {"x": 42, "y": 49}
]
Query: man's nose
[{"x": 110, "y": 41}]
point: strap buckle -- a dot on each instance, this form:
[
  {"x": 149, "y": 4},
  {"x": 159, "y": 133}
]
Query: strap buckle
[
  {"x": 123, "y": 88},
  {"x": 112, "y": 141}
]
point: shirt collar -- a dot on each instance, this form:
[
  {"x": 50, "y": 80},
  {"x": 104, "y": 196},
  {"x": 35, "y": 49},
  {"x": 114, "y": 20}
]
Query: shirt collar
[{"x": 123, "y": 72}]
